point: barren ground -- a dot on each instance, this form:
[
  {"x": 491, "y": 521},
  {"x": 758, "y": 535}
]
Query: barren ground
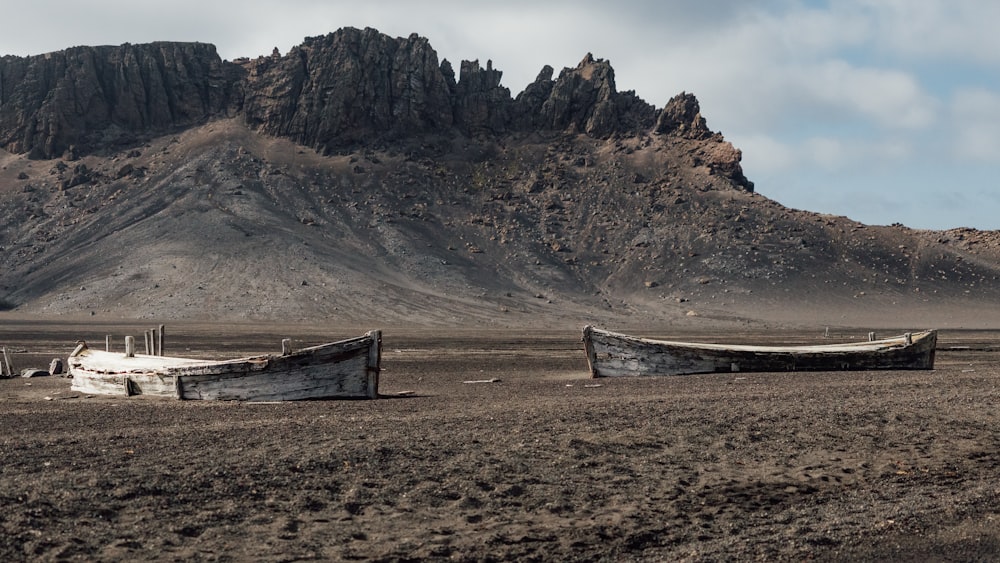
[{"x": 545, "y": 464}]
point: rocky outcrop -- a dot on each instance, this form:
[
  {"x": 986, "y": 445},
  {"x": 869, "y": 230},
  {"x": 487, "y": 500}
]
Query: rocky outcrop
[
  {"x": 582, "y": 100},
  {"x": 481, "y": 103},
  {"x": 349, "y": 87},
  {"x": 80, "y": 99},
  {"x": 339, "y": 91},
  {"x": 682, "y": 117}
]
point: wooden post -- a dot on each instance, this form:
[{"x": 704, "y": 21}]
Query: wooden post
[
  {"x": 6, "y": 362},
  {"x": 146, "y": 337},
  {"x": 129, "y": 346},
  {"x": 871, "y": 337},
  {"x": 159, "y": 343},
  {"x": 908, "y": 338},
  {"x": 154, "y": 337},
  {"x": 374, "y": 362},
  {"x": 588, "y": 346},
  {"x": 107, "y": 342},
  {"x": 286, "y": 346}
]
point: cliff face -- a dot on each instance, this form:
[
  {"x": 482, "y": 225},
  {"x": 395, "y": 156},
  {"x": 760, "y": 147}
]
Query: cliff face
[
  {"x": 78, "y": 100},
  {"x": 348, "y": 87},
  {"x": 335, "y": 92}
]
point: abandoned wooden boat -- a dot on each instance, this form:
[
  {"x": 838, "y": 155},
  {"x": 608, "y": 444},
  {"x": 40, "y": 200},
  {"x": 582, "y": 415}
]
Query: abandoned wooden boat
[
  {"x": 611, "y": 354},
  {"x": 345, "y": 369}
]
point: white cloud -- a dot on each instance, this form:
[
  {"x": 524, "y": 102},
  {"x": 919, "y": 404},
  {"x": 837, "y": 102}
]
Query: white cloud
[
  {"x": 976, "y": 120},
  {"x": 763, "y": 154},
  {"x": 945, "y": 29},
  {"x": 889, "y": 97}
]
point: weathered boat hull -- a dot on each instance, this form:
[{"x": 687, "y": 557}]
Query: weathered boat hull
[
  {"x": 344, "y": 369},
  {"x": 611, "y": 354}
]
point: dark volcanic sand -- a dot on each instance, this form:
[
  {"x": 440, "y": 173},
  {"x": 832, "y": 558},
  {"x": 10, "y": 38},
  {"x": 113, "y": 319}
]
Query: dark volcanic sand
[{"x": 543, "y": 465}]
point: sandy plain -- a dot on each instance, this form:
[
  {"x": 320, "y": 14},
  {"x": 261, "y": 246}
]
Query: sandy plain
[{"x": 544, "y": 465}]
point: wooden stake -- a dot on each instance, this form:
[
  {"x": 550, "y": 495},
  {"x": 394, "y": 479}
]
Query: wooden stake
[
  {"x": 107, "y": 342},
  {"x": 6, "y": 361},
  {"x": 286, "y": 346},
  {"x": 129, "y": 346},
  {"x": 374, "y": 362},
  {"x": 159, "y": 344}
]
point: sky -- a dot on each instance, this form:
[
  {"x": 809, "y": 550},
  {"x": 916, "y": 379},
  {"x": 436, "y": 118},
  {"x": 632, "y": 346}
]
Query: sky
[{"x": 885, "y": 111}]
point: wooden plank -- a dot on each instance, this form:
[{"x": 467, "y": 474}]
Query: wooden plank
[
  {"x": 99, "y": 386},
  {"x": 123, "y": 384},
  {"x": 80, "y": 347},
  {"x": 346, "y": 379}
]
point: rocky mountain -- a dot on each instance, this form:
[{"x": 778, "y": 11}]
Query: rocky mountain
[{"x": 356, "y": 179}]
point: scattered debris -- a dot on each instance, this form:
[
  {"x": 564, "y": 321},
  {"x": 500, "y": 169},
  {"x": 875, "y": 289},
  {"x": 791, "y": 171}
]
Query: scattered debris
[{"x": 493, "y": 380}]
